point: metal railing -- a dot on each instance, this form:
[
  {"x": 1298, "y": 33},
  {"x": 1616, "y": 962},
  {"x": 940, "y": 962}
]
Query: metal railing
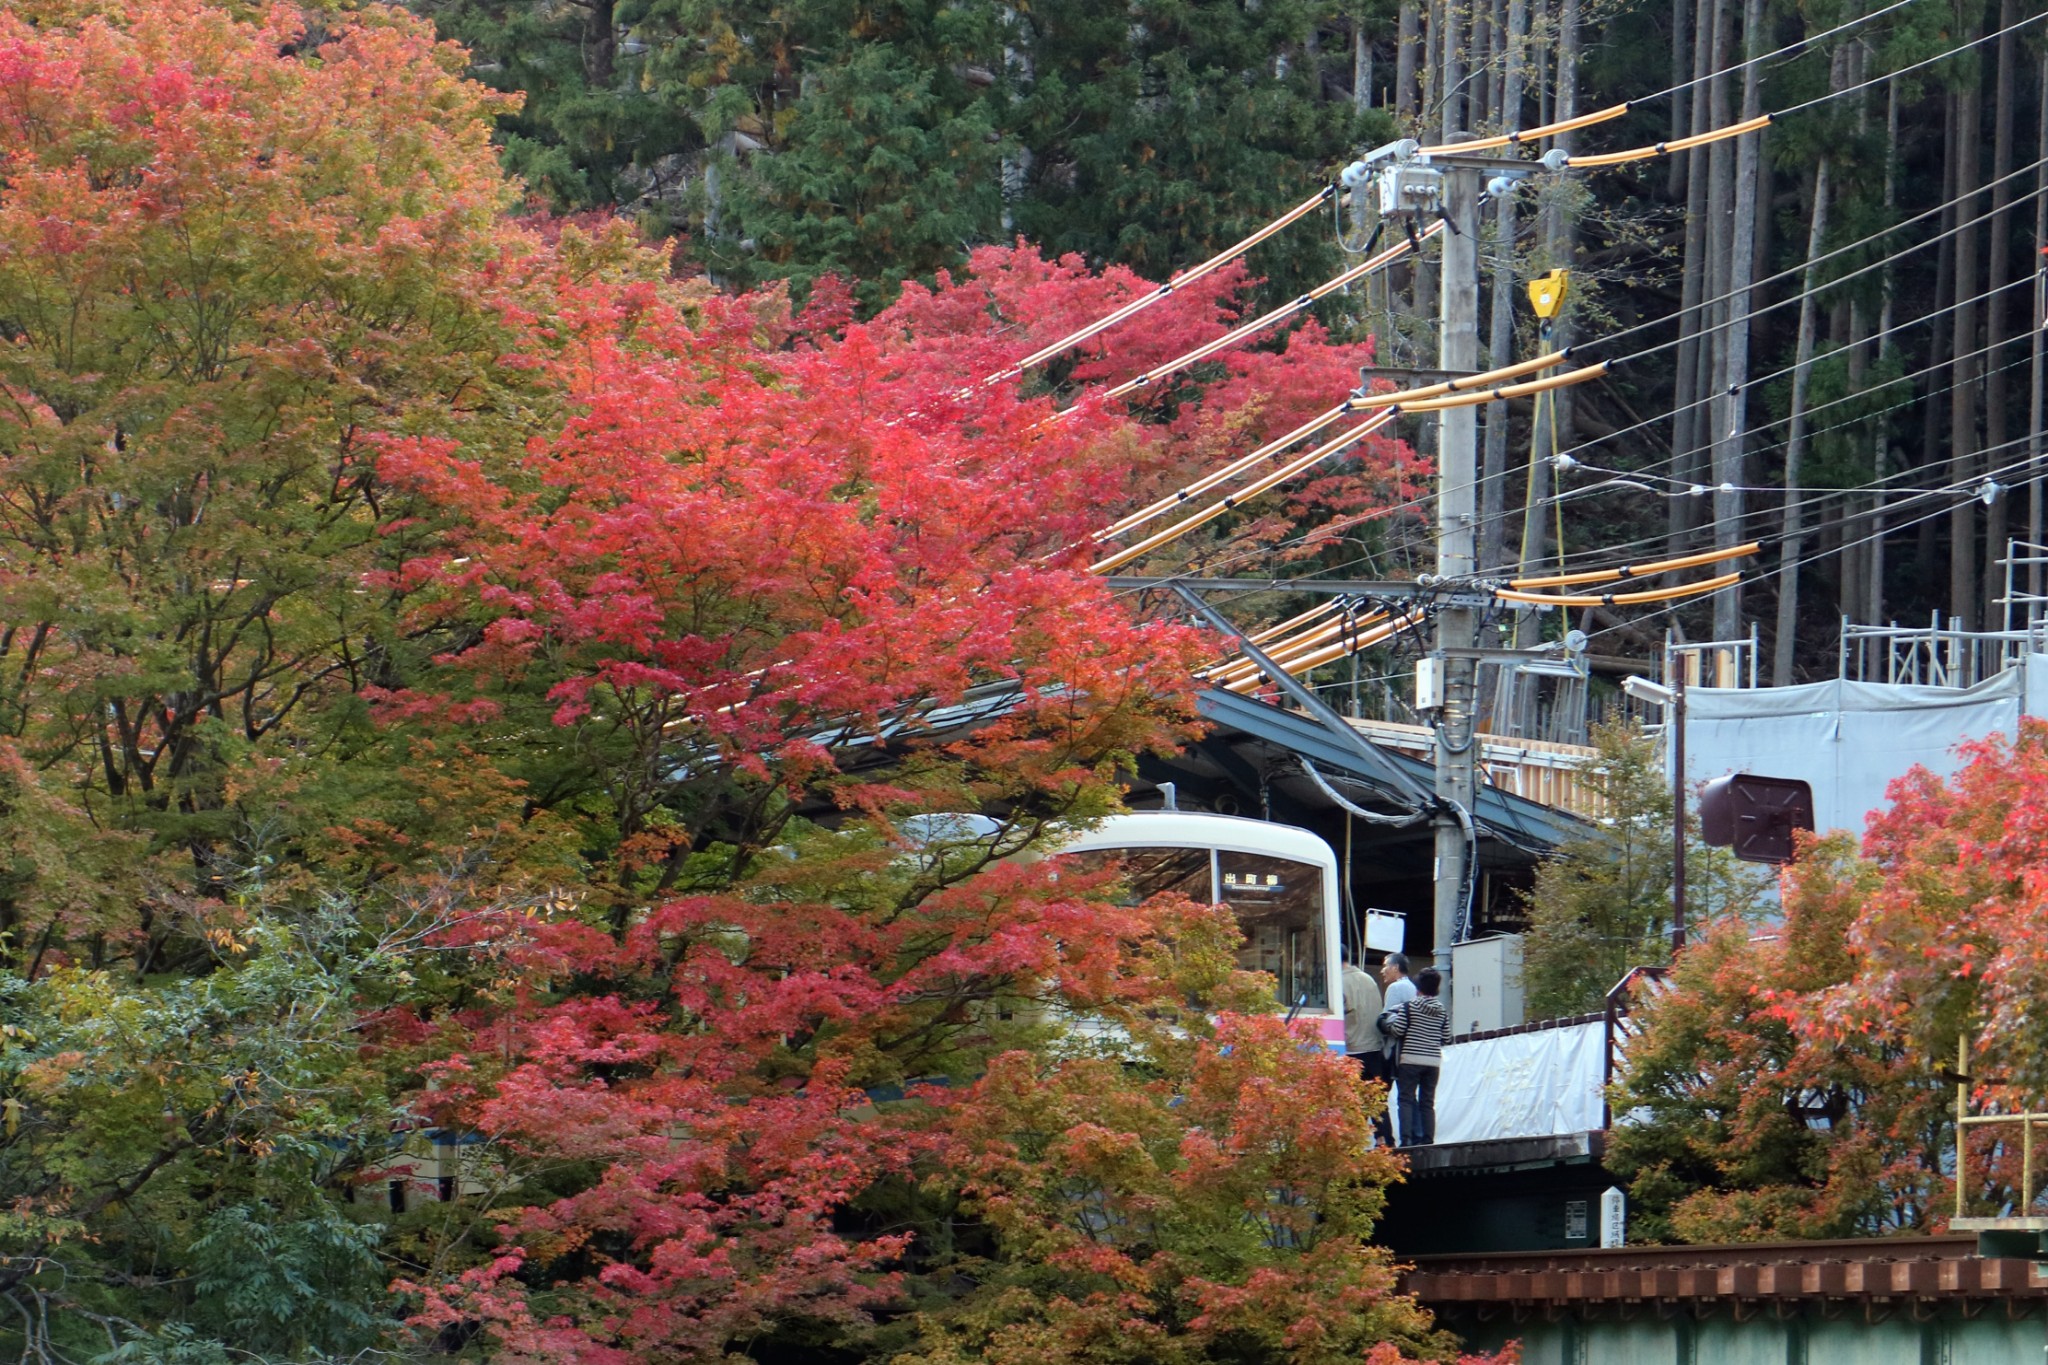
[
  {"x": 1712, "y": 663},
  {"x": 1640, "y": 982},
  {"x": 1934, "y": 655},
  {"x": 1965, "y": 1121}
]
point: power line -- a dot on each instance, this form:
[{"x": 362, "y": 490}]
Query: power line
[
  {"x": 1916, "y": 66},
  {"x": 1808, "y": 264},
  {"x": 1688, "y": 487}
]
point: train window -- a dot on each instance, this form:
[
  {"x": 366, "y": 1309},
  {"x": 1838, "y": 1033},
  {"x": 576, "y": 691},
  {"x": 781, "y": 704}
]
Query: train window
[
  {"x": 1150, "y": 871},
  {"x": 1280, "y": 904}
]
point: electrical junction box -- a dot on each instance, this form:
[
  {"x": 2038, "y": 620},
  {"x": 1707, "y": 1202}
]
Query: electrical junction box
[
  {"x": 1413, "y": 188},
  {"x": 1486, "y": 985},
  {"x": 1429, "y": 683}
]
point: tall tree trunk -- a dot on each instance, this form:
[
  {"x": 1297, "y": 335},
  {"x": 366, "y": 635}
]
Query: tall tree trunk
[
  {"x": 1689, "y": 419},
  {"x": 1501, "y": 323},
  {"x": 1361, "y": 66},
  {"x": 1999, "y": 271},
  {"x": 1485, "y": 58},
  {"x": 1964, "y": 394},
  {"x": 1938, "y": 338},
  {"x": 1408, "y": 47},
  {"x": 1729, "y": 428},
  {"x": 1853, "y": 561},
  {"x": 1452, "y": 47},
  {"x": 600, "y": 44},
  {"x": 1681, "y": 102},
  {"x": 2037, "y": 326},
  {"x": 1795, "y": 439},
  {"x": 1432, "y": 52},
  {"x": 1873, "y": 611}
]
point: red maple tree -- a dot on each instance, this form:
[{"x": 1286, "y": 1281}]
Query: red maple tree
[
  {"x": 1800, "y": 1082},
  {"x": 784, "y": 582}
]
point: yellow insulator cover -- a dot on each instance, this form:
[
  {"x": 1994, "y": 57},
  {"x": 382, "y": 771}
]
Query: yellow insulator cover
[{"x": 1546, "y": 293}]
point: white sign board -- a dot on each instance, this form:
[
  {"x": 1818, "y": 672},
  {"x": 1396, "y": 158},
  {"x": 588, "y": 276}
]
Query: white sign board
[{"x": 1385, "y": 930}]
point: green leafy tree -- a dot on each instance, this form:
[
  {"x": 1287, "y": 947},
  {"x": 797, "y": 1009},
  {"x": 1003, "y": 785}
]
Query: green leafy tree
[
  {"x": 1161, "y": 132},
  {"x": 1602, "y": 903},
  {"x": 171, "y": 1154}
]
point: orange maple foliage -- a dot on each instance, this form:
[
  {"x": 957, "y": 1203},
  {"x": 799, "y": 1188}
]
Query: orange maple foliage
[{"x": 1800, "y": 1084}]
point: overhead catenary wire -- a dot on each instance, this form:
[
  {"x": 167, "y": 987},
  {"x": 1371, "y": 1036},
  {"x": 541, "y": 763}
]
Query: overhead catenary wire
[
  {"x": 1970, "y": 487},
  {"x": 1916, "y": 66},
  {"x": 1420, "y": 404},
  {"x": 1619, "y": 599},
  {"x": 1272, "y": 318},
  {"x": 1328, "y": 192},
  {"x": 1802, "y": 562},
  {"x": 1680, "y": 488},
  {"x": 1804, "y": 41},
  {"x": 1272, "y": 449},
  {"x": 1302, "y": 462},
  {"x": 1537, "y": 134},
  {"x": 1615, "y": 575},
  {"x": 1803, "y": 266},
  {"x": 1825, "y": 525},
  {"x": 1616, "y": 111},
  {"x": 1303, "y": 663},
  {"x": 1736, "y": 130},
  {"x": 1254, "y": 488},
  {"x": 2026, "y": 281},
  {"x": 1592, "y": 161},
  {"x": 1347, "y": 622},
  {"x": 1163, "y": 291},
  {"x": 1296, "y": 657},
  {"x": 1301, "y": 651},
  {"x": 1633, "y": 356}
]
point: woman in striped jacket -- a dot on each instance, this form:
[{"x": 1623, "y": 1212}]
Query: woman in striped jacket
[{"x": 1419, "y": 1026}]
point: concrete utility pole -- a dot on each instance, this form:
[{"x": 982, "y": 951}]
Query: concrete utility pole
[{"x": 1457, "y": 739}]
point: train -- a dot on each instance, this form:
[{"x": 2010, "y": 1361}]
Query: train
[{"x": 1280, "y": 881}]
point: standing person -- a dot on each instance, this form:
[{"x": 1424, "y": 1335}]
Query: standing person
[
  {"x": 1420, "y": 1026},
  {"x": 1362, "y": 1038},
  {"x": 1399, "y": 990}
]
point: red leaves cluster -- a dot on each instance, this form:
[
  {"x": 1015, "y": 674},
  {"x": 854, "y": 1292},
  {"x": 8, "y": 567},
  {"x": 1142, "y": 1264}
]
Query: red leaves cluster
[
  {"x": 698, "y": 599},
  {"x": 1800, "y": 1083}
]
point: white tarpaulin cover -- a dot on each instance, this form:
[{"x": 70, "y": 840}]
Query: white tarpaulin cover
[
  {"x": 1848, "y": 740},
  {"x": 1535, "y": 1084}
]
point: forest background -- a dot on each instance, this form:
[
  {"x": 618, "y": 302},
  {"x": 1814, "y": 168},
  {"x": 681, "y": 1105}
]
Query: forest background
[{"x": 470, "y": 646}]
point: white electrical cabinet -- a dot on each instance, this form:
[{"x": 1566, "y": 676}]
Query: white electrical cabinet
[{"x": 1486, "y": 985}]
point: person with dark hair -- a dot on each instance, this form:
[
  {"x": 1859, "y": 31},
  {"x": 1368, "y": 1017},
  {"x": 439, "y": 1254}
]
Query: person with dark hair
[
  {"x": 1418, "y": 1027},
  {"x": 1398, "y": 990}
]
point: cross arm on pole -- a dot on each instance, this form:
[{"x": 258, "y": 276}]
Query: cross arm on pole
[{"x": 1310, "y": 702}]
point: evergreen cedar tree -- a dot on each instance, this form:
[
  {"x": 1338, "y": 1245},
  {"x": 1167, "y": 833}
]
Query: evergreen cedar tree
[
  {"x": 874, "y": 141},
  {"x": 458, "y": 674},
  {"x": 1802, "y": 1085}
]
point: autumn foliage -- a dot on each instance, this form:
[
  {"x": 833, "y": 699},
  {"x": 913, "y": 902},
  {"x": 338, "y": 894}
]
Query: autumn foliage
[
  {"x": 460, "y": 678},
  {"x": 1801, "y": 1084}
]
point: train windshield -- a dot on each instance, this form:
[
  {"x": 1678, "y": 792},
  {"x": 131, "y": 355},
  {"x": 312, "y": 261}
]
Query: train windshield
[{"x": 1278, "y": 903}]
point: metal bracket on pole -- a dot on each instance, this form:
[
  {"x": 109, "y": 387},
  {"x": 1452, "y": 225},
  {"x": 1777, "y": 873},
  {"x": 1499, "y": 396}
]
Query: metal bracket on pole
[{"x": 1311, "y": 703}]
